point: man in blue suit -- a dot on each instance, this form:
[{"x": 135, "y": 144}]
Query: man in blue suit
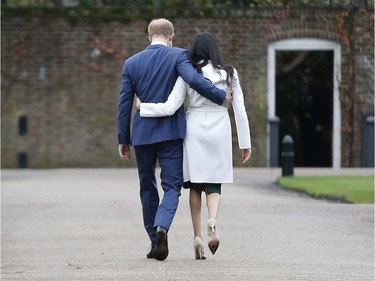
[{"x": 151, "y": 75}]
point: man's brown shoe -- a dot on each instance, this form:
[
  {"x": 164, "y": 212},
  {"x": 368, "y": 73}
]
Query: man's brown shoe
[
  {"x": 161, "y": 251},
  {"x": 150, "y": 254}
]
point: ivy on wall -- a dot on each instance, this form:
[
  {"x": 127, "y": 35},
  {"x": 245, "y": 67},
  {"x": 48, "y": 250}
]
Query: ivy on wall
[
  {"x": 190, "y": 3},
  {"x": 351, "y": 24}
]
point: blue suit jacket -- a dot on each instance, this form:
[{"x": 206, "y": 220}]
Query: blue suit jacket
[{"x": 151, "y": 75}]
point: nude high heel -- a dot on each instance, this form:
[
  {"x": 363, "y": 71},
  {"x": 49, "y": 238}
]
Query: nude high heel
[
  {"x": 213, "y": 242},
  {"x": 198, "y": 247}
]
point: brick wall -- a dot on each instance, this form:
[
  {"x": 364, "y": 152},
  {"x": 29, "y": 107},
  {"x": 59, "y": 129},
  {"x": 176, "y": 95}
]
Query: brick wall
[{"x": 64, "y": 77}]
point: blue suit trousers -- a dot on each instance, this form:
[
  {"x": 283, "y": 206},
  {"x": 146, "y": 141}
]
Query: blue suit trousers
[{"x": 169, "y": 156}]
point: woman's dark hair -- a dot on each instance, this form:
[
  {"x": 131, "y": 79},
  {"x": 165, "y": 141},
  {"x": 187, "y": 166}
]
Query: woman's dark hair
[{"x": 203, "y": 48}]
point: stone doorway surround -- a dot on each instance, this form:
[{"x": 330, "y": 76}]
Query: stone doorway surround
[{"x": 304, "y": 44}]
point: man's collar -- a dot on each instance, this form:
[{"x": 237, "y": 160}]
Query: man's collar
[{"x": 158, "y": 43}]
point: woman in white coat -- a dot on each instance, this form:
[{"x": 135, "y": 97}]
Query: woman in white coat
[{"x": 207, "y": 158}]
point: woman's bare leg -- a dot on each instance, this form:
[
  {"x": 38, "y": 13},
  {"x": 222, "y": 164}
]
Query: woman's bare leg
[
  {"x": 195, "y": 201},
  {"x": 213, "y": 203}
]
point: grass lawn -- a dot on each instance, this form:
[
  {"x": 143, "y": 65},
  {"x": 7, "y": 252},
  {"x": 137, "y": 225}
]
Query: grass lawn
[{"x": 353, "y": 189}]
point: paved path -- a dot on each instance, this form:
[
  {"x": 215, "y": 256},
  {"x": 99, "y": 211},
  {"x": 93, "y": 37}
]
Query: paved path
[{"x": 85, "y": 224}]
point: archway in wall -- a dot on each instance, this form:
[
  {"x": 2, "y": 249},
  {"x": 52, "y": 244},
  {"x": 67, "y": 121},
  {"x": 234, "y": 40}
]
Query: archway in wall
[
  {"x": 287, "y": 61},
  {"x": 304, "y": 94}
]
